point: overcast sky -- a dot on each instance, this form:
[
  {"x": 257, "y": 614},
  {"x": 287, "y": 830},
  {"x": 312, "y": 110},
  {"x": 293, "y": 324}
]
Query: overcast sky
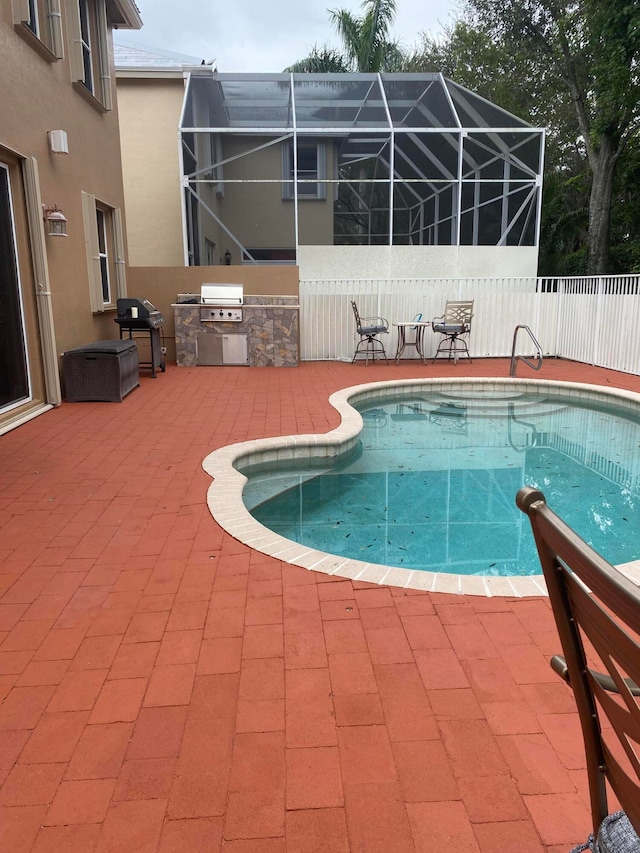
[{"x": 263, "y": 36}]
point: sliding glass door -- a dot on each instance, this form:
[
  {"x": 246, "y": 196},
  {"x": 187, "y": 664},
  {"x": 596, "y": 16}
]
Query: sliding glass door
[{"x": 14, "y": 374}]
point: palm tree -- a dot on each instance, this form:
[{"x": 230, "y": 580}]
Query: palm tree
[
  {"x": 321, "y": 60},
  {"x": 365, "y": 41}
]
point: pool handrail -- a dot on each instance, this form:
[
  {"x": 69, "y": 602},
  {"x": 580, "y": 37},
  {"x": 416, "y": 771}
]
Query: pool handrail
[{"x": 514, "y": 357}]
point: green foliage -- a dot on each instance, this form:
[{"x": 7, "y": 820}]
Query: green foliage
[
  {"x": 594, "y": 50},
  {"x": 569, "y": 264},
  {"x": 625, "y": 258},
  {"x": 473, "y": 60},
  {"x": 625, "y": 225},
  {"x": 365, "y": 41},
  {"x": 563, "y": 224},
  {"x": 321, "y": 60},
  {"x": 572, "y": 66},
  {"x": 613, "y": 51}
]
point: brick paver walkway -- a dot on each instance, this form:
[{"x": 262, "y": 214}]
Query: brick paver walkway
[{"x": 164, "y": 688}]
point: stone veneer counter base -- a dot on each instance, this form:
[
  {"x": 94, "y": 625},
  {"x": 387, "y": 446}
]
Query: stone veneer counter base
[{"x": 270, "y": 323}]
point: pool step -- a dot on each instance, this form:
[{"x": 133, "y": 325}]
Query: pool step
[{"x": 478, "y": 406}]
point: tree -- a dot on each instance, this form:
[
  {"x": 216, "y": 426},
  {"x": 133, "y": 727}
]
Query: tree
[
  {"x": 511, "y": 78},
  {"x": 625, "y": 226},
  {"x": 563, "y": 226},
  {"x": 475, "y": 60},
  {"x": 592, "y": 49},
  {"x": 365, "y": 41},
  {"x": 321, "y": 60}
]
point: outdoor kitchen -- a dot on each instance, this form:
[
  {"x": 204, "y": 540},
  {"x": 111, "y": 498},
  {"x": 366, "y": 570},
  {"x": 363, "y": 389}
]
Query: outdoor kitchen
[{"x": 221, "y": 325}]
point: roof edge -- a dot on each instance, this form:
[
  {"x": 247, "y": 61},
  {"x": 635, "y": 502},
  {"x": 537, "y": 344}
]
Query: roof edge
[
  {"x": 129, "y": 13},
  {"x": 134, "y": 72}
]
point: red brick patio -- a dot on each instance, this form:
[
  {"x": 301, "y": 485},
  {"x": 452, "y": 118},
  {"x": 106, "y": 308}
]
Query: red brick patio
[{"x": 164, "y": 688}]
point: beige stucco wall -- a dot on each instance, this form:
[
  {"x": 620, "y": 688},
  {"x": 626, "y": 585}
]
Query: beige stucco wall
[
  {"x": 161, "y": 286},
  {"x": 255, "y": 213},
  {"x": 149, "y": 119},
  {"x": 37, "y": 95}
]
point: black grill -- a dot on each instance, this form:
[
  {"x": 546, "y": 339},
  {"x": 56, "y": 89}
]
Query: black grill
[
  {"x": 148, "y": 314},
  {"x": 139, "y": 315}
]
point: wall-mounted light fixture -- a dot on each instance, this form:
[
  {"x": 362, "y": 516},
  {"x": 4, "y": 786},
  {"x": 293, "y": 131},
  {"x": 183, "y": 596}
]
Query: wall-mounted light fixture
[
  {"x": 227, "y": 258},
  {"x": 56, "y": 221}
]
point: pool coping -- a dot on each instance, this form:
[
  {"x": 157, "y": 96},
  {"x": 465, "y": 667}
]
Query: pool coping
[{"x": 224, "y": 496}]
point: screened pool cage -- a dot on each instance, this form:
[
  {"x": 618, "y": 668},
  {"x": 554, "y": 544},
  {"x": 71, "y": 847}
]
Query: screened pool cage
[{"x": 272, "y": 162}]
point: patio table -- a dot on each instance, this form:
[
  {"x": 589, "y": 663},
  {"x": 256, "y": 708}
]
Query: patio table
[{"x": 418, "y": 340}]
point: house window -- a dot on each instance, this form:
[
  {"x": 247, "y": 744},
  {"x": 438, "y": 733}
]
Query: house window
[
  {"x": 312, "y": 169},
  {"x": 40, "y": 23},
  {"x": 32, "y": 22},
  {"x": 209, "y": 252},
  {"x": 105, "y": 253},
  {"x": 269, "y": 256},
  {"x": 85, "y": 45},
  {"x": 89, "y": 51},
  {"x": 215, "y": 157}
]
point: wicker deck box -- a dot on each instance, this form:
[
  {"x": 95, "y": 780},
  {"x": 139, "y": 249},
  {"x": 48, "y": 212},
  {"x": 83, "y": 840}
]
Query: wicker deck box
[{"x": 105, "y": 371}]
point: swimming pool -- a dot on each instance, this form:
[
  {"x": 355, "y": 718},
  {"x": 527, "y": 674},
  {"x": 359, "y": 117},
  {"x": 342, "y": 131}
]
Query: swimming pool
[
  {"x": 432, "y": 481},
  {"x": 537, "y": 429}
]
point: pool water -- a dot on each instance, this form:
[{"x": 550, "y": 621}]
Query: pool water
[{"x": 431, "y": 485}]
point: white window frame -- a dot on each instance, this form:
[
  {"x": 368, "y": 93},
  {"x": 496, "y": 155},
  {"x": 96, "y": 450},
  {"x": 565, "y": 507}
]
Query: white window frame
[
  {"x": 103, "y": 255},
  {"x": 89, "y": 62},
  {"x": 210, "y": 252},
  {"x": 319, "y": 174},
  {"x": 215, "y": 155},
  {"x": 98, "y": 216},
  {"x": 40, "y": 23},
  {"x": 34, "y": 19},
  {"x": 85, "y": 46}
]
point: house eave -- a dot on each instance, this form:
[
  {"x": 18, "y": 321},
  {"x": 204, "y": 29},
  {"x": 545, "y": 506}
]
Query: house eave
[
  {"x": 125, "y": 14},
  {"x": 149, "y": 73}
]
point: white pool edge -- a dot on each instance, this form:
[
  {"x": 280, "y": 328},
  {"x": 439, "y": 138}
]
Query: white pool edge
[{"x": 224, "y": 496}]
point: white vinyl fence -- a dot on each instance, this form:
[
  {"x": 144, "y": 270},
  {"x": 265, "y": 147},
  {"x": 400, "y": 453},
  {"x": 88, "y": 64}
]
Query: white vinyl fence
[{"x": 591, "y": 320}]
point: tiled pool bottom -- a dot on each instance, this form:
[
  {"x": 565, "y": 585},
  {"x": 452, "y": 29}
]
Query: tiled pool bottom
[{"x": 227, "y": 507}]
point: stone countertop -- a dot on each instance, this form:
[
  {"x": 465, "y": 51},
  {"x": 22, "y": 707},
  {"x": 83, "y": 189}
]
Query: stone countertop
[
  {"x": 250, "y": 301},
  {"x": 290, "y": 306}
]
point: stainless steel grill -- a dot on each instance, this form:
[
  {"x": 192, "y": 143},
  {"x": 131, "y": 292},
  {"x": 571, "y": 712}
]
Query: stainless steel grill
[{"x": 221, "y": 303}]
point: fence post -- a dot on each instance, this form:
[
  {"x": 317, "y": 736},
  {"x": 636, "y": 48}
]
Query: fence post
[
  {"x": 560, "y": 299},
  {"x": 596, "y": 322},
  {"x": 539, "y": 290}
]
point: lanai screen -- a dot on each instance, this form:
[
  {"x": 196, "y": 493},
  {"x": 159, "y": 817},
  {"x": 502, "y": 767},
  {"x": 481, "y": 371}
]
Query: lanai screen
[{"x": 275, "y": 161}]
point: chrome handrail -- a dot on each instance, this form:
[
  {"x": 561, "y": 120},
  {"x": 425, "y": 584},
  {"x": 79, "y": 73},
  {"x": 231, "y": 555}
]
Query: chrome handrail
[
  {"x": 512, "y": 419},
  {"x": 514, "y": 357}
]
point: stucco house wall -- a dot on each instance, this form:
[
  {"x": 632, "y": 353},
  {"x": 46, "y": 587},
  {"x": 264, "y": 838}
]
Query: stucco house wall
[
  {"x": 39, "y": 92},
  {"x": 149, "y": 117}
]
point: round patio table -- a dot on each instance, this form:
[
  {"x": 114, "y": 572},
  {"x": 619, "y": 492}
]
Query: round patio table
[{"x": 418, "y": 338}]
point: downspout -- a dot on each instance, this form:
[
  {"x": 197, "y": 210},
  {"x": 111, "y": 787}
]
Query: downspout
[
  {"x": 183, "y": 183},
  {"x": 42, "y": 283}
]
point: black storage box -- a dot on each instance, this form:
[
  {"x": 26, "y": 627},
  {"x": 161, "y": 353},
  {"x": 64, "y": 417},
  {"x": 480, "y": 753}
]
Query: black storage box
[{"x": 105, "y": 371}]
